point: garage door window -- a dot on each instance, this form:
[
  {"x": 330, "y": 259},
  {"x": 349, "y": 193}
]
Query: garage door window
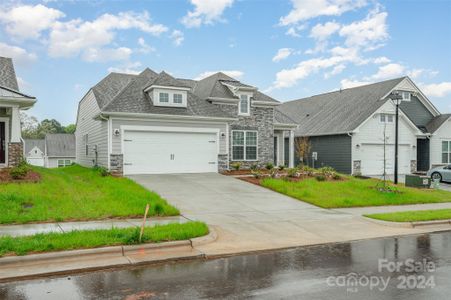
[
  {"x": 244, "y": 145},
  {"x": 446, "y": 152}
]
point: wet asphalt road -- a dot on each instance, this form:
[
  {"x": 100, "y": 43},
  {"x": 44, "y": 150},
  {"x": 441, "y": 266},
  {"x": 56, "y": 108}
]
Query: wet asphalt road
[{"x": 317, "y": 272}]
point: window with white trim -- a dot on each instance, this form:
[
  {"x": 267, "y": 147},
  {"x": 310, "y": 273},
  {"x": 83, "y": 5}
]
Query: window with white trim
[
  {"x": 164, "y": 97},
  {"x": 64, "y": 163},
  {"x": 386, "y": 118},
  {"x": 177, "y": 98},
  {"x": 244, "y": 145},
  {"x": 405, "y": 96},
  {"x": 446, "y": 152},
  {"x": 244, "y": 105}
]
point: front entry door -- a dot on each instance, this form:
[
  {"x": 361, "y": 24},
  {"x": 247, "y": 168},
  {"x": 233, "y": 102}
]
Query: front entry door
[{"x": 2, "y": 143}]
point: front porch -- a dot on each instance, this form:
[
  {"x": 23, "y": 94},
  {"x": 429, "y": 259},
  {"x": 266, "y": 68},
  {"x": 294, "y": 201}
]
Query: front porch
[
  {"x": 283, "y": 147},
  {"x": 11, "y": 148}
]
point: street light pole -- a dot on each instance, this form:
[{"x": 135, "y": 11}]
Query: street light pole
[
  {"x": 396, "y": 143},
  {"x": 396, "y": 97}
]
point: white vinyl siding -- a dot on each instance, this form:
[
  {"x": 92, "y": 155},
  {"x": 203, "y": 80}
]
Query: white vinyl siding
[
  {"x": 437, "y": 153},
  {"x": 96, "y": 130},
  {"x": 244, "y": 145}
]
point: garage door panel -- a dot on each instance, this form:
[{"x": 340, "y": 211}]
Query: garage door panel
[
  {"x": 169, "y": 152},
  {"x": 373, "y": 159}
]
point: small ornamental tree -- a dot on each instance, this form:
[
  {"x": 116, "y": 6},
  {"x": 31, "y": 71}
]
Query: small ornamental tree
[{"x": 303, "y": 148}]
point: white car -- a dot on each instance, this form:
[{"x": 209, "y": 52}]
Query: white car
[{"x": 442, "y": 173}]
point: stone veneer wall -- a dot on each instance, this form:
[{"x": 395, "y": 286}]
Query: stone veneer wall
[
  {"x": 15, "y": 154},
  {"x": 117, "y": 164},
  {"x": 261, "y": 119},
  {"x": 223, "y": 162}
]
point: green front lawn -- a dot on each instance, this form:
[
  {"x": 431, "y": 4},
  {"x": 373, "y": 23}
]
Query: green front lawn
[
  {"x": 352, "y": 192},
  {"x": 413, "y": 216},
  {"x": 77, "y": 193},
  {"x": 47, "y": 242}
]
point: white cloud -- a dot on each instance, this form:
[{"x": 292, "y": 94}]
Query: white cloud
[
  {"x": 336, "y": 70},
  {"x": 205, "y": 12},
  {"x": 348, "y": 83},
  {"x": 436, "y": 89},
  {"x": 381, "y": 60},
  {"x": 292, "y": 32},
  {"x": 144, "y": 47},
  {"x": 232, "y": 73},
  {"x": 29, "y": 21},
  {"x": 128, "y": 68},
  {"x": 368, "y": 33},
  {"x": 304, "y": 10},
  {"x": 323, "y": 31},
  {"x": 76, "y": 36},
  {"x": 19, "y": 55},
  {"x": 389, "y": 71},
  {"x": 282, "y": 54},
  {"x": 177, "y": 37},
  {"x": 103, "y": 55}
]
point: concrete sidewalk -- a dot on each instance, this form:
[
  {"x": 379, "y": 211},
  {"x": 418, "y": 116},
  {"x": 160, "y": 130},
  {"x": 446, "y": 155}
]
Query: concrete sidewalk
[
  {"x": 61, "y": 227},
  {"x": 359, "y": 211}
]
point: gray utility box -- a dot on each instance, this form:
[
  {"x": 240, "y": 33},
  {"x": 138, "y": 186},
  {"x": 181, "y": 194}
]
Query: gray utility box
[{"x": 418, "y": 181}]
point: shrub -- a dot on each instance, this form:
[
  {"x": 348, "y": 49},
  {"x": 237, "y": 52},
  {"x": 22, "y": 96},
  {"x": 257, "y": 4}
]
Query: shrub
[
  {"x": 102, "y": 171},
  {"x": 257, "y": 174},
  {"x": 292, "y": 172},
  {"x": 320, "y": 177},
  {"x": 269, "y": 166},
  {"x": 236, "y": 166},
  {"x": 19, "y": 172},
  {"x": 254, "y": 167},
  {"x": 273, "y": 173},
  {"x": 281, "y": 167},
  {"x": 327, "y": 171},
  {"x": 307, "y": 170},
  {"x": 336, "y": 176}
]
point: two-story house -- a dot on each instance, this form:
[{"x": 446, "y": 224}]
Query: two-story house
[{"x": 153, "y": 123}]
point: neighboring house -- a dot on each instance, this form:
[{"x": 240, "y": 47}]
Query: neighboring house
[
  {"x": 11, "y": 102},
  {"x": 34, "y": 151},
  {"x": 55, "y": 150},
  {"x": 347, "y": 128},
  {"x": 154, "y": 123}
]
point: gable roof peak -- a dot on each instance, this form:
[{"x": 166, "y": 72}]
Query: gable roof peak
[{"x": 8, "y": 77}]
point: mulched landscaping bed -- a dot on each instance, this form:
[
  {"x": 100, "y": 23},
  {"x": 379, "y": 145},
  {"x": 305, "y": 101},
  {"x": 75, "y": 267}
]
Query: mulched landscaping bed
[
  {"x": 258, "y": 181},
  {"x": 31, "y": 177}
]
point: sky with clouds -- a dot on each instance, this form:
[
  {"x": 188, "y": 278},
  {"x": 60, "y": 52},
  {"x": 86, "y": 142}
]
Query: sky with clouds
[{"x": 288, "y": 48}]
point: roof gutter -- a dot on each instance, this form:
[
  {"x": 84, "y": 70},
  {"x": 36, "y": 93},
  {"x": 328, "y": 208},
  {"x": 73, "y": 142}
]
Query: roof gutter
[{"x": 160, "y": 116}]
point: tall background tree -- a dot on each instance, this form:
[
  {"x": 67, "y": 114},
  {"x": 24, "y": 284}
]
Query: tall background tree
[{"x": 33, "y": 129}]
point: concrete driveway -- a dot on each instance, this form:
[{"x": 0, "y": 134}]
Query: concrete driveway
[{"x": 249, "y": 218}]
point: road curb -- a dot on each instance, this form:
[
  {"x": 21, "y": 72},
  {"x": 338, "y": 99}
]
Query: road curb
[
  {"x": 408, "y": 224},
  {"x": 116, "y": 254}
]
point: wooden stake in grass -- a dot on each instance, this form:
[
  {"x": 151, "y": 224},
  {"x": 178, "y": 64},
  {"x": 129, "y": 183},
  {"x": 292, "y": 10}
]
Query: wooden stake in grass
[{"x": 144, "y": 222}]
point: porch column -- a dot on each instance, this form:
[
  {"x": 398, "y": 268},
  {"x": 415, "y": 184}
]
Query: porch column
[
  {"x": 15, "y": 125},
  {"x": 291, "y": 152}
]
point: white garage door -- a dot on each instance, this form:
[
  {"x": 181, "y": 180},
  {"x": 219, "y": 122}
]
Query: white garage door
[
  {"x": 373, "y": 162},
  {"x": 148, "y": 152},
  {"x": 36, "y": 161}
]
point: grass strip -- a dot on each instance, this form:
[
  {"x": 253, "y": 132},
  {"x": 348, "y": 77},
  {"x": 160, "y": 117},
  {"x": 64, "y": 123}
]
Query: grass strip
[
  {"x": 413, "y": 216},
  {"x": 82, "y": 239},
  {"x": 352, "y": 192}
]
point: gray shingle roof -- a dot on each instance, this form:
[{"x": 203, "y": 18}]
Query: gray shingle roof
[
  {"x": 236, "y": 83},
  {"x": 110, "y": 86},
  {"x": 280, "y": 117},
  {"x": 60, "y": 145},
  {"x": 165, "y": 79},
  {"x": 31, "y": 143},
  {"x": 436, "y": 122},
  {"x": 7, "y": 74},
  {"x": 337, "y": 112},
  {"x": 133, "y": 99}
]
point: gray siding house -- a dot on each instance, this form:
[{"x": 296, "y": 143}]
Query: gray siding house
[
  {"x": 54, "y": 151},
  {"x": 153, "y": 123},
  {"x": 353, "y": 131}
]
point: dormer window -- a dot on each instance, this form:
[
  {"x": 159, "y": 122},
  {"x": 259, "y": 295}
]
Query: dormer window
[
  {"x": 164, "y": 97},
  {"x": 178, "y": 98},
  {"x": 405, "y": 96},
  {"x": 244, "y": 105},
  {"x": 168, "y": 96}
]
